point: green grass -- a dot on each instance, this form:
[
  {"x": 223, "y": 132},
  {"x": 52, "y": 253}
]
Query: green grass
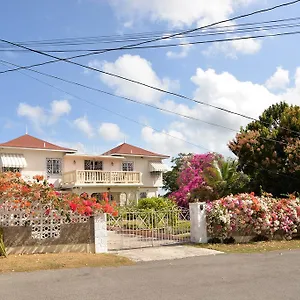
[{"x": 258, "y": 247}]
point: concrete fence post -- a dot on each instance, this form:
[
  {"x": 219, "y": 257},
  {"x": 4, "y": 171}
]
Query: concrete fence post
[
  {"x": 198, "y": 222},
  {"x": 100, "y": 233}
]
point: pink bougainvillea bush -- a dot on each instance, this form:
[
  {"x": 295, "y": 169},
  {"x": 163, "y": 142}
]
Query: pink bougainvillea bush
[
  {"x": 191, "y": 178},
  {"x": 248, "y": 214},
  {"x": 16, "y": 193}
]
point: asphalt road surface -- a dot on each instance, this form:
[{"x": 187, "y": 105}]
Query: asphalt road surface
[{"x": 269, "y": 276}]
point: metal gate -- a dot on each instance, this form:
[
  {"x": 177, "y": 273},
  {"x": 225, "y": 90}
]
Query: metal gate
[{"x": 148, "y": 228}]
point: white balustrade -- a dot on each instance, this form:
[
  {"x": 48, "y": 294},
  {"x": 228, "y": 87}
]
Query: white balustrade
[{"x": 80, "y": 177}]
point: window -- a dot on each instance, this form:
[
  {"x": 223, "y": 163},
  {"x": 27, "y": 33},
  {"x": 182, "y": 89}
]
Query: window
[
  {"x": 127, "y": 166},
  {"x": 11, "y": 169},
  {"x": 53, "y": 166},
  {"x": 93, "y": 165},
  {"x": 143, "y": 195}
]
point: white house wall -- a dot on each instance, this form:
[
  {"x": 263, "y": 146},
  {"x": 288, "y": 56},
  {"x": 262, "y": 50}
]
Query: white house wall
[
  {"x": 36, "y": 163},
  {"x": 142, "y": 165}
]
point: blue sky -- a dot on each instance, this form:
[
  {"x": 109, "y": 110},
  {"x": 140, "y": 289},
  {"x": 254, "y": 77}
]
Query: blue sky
[{"x": 245, "y": 76}]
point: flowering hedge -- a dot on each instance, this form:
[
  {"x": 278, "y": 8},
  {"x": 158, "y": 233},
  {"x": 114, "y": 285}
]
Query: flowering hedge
[
  {"x": 16, "y": 193},
  {"x": 248, "y": 214}
]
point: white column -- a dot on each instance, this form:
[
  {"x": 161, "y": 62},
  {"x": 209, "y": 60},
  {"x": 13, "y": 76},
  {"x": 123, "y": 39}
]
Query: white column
[
  {"x": 100, "y": 233},
  {"x": 198, "y": 223}
]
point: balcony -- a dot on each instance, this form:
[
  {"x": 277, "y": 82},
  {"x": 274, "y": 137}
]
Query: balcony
[{"x": 94, "y": 178}]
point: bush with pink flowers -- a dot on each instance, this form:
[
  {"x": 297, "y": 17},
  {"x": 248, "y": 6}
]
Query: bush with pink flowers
[{"x": 247, "y": 214}]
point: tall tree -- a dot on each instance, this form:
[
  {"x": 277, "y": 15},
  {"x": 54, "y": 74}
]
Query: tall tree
[{"x": 269, "y": 150}]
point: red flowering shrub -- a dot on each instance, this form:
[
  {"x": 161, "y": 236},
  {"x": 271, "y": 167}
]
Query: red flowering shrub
[{"x": 17, "y": 193}]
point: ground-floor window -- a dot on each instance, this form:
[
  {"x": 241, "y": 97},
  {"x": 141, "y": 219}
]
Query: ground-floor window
[
  {"x": 11, "y": 169},
  {"x": 100, "y": 197},
  {"x": 143, "y": 195}
]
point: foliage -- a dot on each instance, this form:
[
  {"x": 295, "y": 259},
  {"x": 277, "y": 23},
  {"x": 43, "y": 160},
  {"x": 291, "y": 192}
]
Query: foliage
[
  {"x": 248, "y": 214},
  {"x": 170, "y": 178},
  {"x": 156, "y": 203},
  {"x": 269, "y": 150},
  {"x": 2, "y": 247},
  {"x": 15, "y": 193},
  {"x": 225, "y": 179},
  {"x": 208, "y": 177}
]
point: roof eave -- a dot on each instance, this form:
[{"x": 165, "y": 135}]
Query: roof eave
[
  {"x": 39, "y": 149},
  {"x": 93, "y": 155},
  {"x": 141, "y": 155}
]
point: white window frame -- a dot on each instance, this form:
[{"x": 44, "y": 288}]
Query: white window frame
[
  {"x": 57, "y": 173},
  {"x": 125, "y": 165}
]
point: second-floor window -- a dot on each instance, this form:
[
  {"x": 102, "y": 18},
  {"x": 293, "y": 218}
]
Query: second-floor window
[
  {"x": 53, "y": 166},
  {"x": 127, "y": 166},
  {"x": 93, "y": 165}
]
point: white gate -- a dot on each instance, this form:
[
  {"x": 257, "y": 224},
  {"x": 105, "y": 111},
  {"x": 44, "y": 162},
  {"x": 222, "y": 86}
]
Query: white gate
[{"x": 147, "y": 228}]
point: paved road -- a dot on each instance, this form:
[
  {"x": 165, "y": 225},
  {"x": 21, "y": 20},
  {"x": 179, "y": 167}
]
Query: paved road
[{"x": 221, "y": 277}]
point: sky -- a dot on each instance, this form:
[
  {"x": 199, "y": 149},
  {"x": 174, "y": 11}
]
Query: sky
[{"x": 245, "y": 76}]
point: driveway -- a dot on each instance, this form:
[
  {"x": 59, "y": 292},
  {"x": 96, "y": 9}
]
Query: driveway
[{"x": 222, "y": 277}]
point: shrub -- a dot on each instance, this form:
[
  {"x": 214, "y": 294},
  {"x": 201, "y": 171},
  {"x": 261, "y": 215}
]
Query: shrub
[
  {"x": 156, "y": 203},
  {"x": 248, "y": 214}
]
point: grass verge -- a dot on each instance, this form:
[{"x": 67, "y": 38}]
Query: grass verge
[
  {"x": 258, "y": 247},
  {"x": 29, "y": 263}
]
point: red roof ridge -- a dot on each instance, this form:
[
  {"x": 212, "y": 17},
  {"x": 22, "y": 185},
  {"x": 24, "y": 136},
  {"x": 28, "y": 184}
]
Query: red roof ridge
[
  {"x": 31, "y": 142},
  {"x": 128, "y": 149}
]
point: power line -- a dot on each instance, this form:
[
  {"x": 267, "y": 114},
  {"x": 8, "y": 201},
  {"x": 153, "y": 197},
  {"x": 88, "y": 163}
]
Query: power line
[
  {"x": 139, "y": 102},
  {"x": 108, "y": 38},
  {"x": 172, "y": 35},
  {"x": 143, "y": 47},
  {"x": 139, "y": 123},
  {"x": 233, "y": 29},
  {"x": 111, "y": 111},
  {"x": 137, "y": 82}
]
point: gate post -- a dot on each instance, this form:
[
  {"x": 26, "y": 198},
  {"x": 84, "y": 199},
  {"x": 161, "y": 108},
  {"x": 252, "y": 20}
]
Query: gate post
[
  {"x": 100, "y": 233},
  {"x": 198, "y": 222}
]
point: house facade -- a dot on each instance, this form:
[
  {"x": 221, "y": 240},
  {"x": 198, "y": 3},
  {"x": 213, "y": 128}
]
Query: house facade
[{"x": 126, "y": 172}]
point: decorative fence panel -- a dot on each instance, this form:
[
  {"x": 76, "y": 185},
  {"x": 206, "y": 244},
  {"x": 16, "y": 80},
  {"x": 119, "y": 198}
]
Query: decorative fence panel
[
  {"x": 147, "y": 228},
  {"x": 44, "y": 230}
]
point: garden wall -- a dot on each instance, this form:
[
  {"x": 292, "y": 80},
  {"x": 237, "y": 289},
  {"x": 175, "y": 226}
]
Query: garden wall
[
  {"x": 72, "y": 238},
  {"x": 88, "y": 236}
]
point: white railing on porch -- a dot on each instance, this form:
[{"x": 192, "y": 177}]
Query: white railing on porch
[{"x": 79, "y": 177}]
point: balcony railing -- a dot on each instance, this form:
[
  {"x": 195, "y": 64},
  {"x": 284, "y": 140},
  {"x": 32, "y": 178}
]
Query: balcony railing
[{"x": 79, "y": 177}]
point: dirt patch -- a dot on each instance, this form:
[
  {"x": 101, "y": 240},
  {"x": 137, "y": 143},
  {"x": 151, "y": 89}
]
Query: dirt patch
[{"x": 29, "y": 263}]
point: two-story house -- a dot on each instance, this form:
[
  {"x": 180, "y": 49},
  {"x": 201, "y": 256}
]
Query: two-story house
[{"x": 126, "y": 172}]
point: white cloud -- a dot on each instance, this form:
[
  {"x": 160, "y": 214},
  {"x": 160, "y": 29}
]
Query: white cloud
[
  {"x": 139, "y": 69},
  {"x": 35, "y": 114},
  {"x": 110, "y": 132},
  {"x": 84, "y": 125},
  {"x": 279, "y": 80},
  {"x": 231, "y": 49},
  {"x": 39, "y": 117},
  {"x": 166, "y": 142},
  {"x": 222, "y": 90},
  {"x": 58, "y": 109},
  {"x": 177, "y": 14}
]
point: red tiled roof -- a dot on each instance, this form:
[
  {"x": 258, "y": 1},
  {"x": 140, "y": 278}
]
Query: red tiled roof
[
  {"x": 28, "y": 141},
  {"x": 127, "y": 149}
]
